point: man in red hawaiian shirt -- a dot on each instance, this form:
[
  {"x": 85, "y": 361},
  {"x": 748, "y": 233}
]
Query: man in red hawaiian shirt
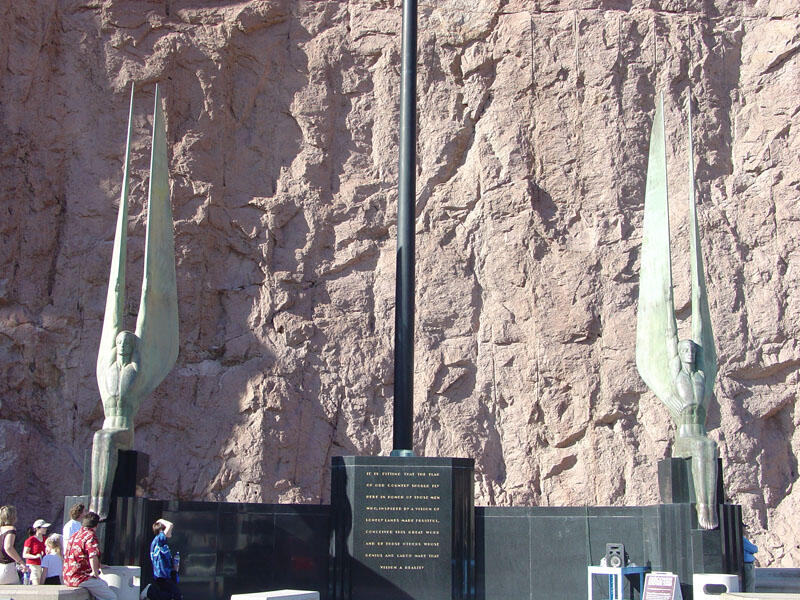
[{"x": 82, "y": 561}]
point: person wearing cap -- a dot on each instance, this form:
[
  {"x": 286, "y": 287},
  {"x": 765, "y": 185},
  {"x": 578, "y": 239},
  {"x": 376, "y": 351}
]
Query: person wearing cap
[
  {"x": 34, "y": 549},
  {"x": 82, "y": 566}
]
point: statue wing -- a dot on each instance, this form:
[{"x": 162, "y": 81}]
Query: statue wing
[
  {"x": 702, "y": 333},
  {"x": 115, "y": 298},
  {"x": 157, "y": 323},
  {"x": 656, "y": 329}
]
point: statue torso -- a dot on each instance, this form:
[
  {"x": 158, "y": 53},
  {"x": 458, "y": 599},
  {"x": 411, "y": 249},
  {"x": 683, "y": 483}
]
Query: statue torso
[
  {"x": 690, "y": 387},
  {"x": 120, "y": 402}
]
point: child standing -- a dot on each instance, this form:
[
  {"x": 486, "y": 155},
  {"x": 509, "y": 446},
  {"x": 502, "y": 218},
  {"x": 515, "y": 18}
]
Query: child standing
[{"x": 53, "y": 562}]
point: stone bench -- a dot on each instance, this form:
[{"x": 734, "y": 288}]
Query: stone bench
[
  {"x": 42, "y": 592},
  {"x": 278, "y": 595}
]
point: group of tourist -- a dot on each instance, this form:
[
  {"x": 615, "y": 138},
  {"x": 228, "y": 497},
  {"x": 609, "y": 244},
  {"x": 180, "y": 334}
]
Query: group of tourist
[
  {"x": 73, "y": 559},
  {"x": 42, "y": 562}
]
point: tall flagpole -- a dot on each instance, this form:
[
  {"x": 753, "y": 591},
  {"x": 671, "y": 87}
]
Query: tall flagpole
[{"x": 403, "y": 422}]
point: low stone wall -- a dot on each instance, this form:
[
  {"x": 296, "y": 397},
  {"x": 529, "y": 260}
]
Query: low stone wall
[
  {"x": 778, "y": 581},
  {"x": 758, "y": 596},
  {"x": 42, "y": 592}
]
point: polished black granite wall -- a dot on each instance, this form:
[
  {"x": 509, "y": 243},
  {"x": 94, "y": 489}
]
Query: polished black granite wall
[
  {"x": 540, "y": 553},
  {"x": 226, "y": 548},
  {"x": 527, "y": 553},
  {"x": 403, "y": 528}
]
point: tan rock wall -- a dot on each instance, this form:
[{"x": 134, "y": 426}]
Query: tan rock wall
[{"x": 282, "y": 118}]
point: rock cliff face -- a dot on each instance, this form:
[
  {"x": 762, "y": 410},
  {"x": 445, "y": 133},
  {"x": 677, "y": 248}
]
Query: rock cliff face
[{"x": 534, "y": 119}]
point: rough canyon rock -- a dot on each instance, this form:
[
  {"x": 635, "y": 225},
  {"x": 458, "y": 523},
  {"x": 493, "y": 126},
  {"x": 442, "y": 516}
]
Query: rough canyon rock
[{"x": 534, "y": 119}]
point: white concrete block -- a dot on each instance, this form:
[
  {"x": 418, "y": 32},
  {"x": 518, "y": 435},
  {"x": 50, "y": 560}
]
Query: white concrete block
[
  {"x": 123, "y": 580},
  {"x": 729, "y": 583}
]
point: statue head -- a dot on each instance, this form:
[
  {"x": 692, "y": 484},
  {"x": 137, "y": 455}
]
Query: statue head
[
  {"x": 126, "y": 340},
  {"x": 687, "y": 352}
]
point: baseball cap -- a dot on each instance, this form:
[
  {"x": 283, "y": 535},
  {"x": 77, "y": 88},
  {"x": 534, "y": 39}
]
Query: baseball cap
[{"x": 40, "y": 523}]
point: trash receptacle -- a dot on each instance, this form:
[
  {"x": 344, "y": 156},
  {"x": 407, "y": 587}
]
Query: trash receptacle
[{"x": 710, "y": 586}]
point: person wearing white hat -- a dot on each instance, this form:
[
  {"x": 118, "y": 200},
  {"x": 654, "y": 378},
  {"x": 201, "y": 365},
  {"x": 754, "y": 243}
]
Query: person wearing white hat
[{"x": 34, "y": 549}]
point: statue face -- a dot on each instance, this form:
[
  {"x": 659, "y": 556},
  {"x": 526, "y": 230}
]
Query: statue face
[
  {"x": 686, "y": 352},
  {"x": 125, "y": 344}
]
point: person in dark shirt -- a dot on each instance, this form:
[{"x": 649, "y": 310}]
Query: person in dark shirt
[
  {"x": 9, "y": 557},
  {"x": 165, "y": 572}
]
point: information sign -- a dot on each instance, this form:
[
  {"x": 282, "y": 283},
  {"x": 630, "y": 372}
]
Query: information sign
[{"x": 661, "y": 586}]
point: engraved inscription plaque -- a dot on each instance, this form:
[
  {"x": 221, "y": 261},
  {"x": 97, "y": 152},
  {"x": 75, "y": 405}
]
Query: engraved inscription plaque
[{"x": 403, "y": 528}]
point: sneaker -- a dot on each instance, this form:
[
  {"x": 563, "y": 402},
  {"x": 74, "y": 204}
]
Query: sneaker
[{"x": 143, "y": 595}]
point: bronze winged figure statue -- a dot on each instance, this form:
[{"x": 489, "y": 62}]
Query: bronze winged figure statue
[
  {"x": 680, "y": 373},
  {"x": 131, "y": 364}
]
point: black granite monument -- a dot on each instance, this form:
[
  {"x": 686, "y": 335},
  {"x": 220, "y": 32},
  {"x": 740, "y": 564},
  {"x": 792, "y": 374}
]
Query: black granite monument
[
  {"x": 703, "y": 550},
  {"x": 403, "y": 528}
]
